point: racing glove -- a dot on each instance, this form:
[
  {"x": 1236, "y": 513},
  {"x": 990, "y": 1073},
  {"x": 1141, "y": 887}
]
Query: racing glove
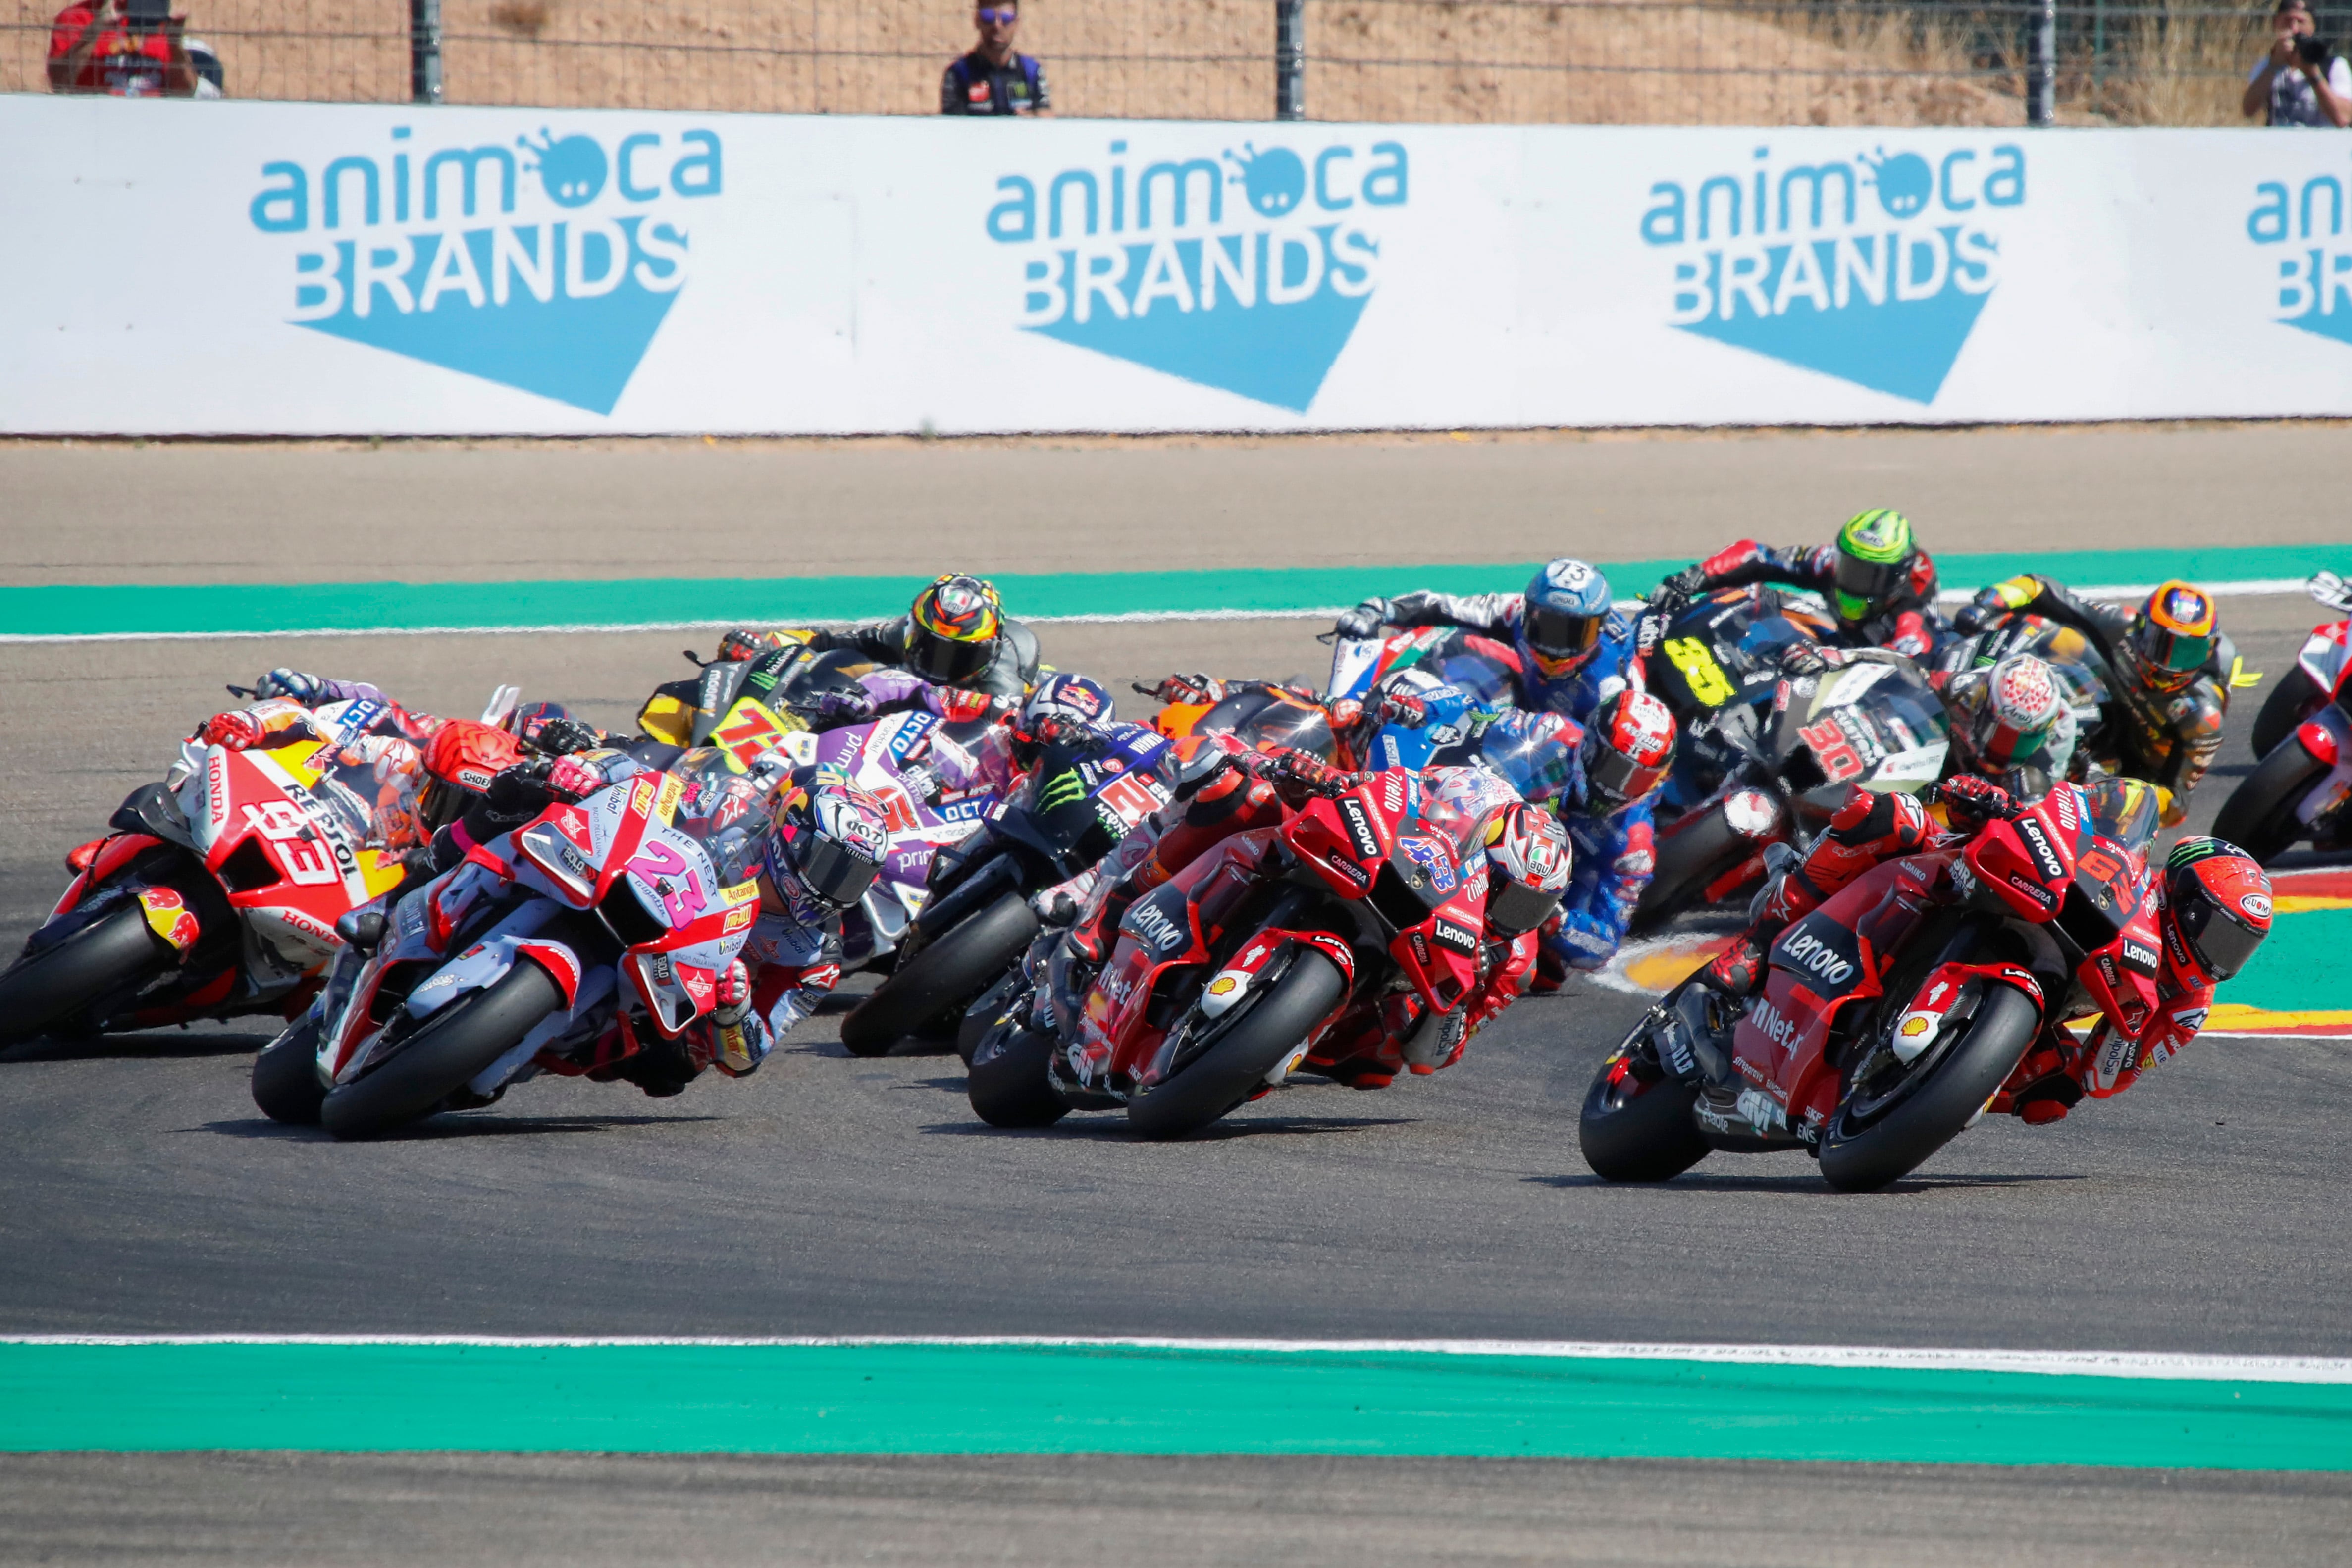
[
  {"x": 958, "y": 706},
  {"x": 747, "y": 642},
  {"x": 1404, "y": 708},
  {"x": 1191, "y": 690},
  {"x": 310, "y": 690},
  {"x": 1365, "y": 620},
  {"x": 1678, "y": 590},
  {"x": 561, "y": 737},
  {"x": 1813, "y": 659},
  {"x": 731, "y": 996},
  {"x": 2331, "y": 591},
  {"x": 237, "y": 731},
  {"x": 570, "y": 779},
  {"x": 832, "y": 708},
  {"x": 1979, "y": 798}
]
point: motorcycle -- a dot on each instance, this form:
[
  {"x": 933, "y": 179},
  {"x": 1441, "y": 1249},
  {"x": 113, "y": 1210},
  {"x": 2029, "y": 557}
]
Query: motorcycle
[
  {"x": 1880, "y": 725},
  {"x": 1261, "y": 714},
  {"x": 1487, "y": 669},
  {"x": 2296, "y": 793},
  {"x": 1222, "y": 979},
  {"x": 1890, "y": 1015},
  {"x": 531, "y": 945},
  {"x": 216, "y": 893},
  {"x": 1071, "y": 809},
  {"x": 1717, "y": 654}
]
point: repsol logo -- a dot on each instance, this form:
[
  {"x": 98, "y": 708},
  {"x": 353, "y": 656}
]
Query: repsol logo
[
  {"x": 546, "y": 265},
  {"x": 1810, "y": 953},
  {"x": 1786, "y": 258},
  {"x": 1242, "y": 269}
]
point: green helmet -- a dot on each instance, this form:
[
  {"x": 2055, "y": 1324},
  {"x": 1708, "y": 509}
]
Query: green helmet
[{"x": 1873, "y": 562}]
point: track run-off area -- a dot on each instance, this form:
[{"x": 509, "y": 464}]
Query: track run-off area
[{"x": 830, "y": 1314}]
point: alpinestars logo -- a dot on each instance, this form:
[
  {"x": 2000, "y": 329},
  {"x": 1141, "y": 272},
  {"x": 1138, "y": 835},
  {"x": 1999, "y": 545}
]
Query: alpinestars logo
[
  {"x": 453, "y": 257},
  {"x": 1244, "y": 268},
  {"x": 1784, "y": 259}
]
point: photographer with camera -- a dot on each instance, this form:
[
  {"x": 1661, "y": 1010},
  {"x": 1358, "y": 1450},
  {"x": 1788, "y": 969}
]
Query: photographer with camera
[
  {"x": 2303, "y": 80},
  {"x": 129, "y": 48}
]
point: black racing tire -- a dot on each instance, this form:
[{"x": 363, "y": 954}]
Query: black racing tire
[
  {"x": 445, "y": 1050},
  {"x": 113, "y": 954},
  {"x": 1011, "y": 1084},
  {"x": 938, "y": 981},
  {"x": 1248, "y": 1046},
  {"x": 286, "y": 1076},
  {"x": 2259, "y": 817},
  {"x": 2282, "y": 710},
  {"x": 983, "y": 1014},
  {"x": 1645, "y": 1136},
  {"x": 1687, "y": 862},
  {"x": 1932, "y": 1112}
]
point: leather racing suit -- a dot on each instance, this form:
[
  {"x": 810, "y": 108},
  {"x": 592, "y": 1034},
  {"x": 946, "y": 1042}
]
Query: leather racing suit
[
  {"x": 1011, "y": 670},
  {"x": 382, "y": 745},
  {"x": 1909, "y": 624},
  {"x": 1615, "y": 663}
]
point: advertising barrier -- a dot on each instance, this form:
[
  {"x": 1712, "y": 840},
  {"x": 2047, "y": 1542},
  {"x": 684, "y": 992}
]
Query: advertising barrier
[{"x": 180, "y": 266}]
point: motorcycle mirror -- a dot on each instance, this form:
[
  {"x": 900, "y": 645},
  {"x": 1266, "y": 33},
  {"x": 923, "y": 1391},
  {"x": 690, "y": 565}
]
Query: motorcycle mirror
[
  {"x": 696, "y": 659},
  {"x": 243, "y": 691},
  {"x": 362, "y": 929}
]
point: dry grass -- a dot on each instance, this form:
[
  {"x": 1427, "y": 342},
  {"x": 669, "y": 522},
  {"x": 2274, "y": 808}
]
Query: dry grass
[{"x": 1468, "y": 61}]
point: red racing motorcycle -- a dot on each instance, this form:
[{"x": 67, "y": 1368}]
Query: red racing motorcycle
[
  {"x": 1224, "y": 978},
  {"x": 2303, "y": 737},
  {"x": 1890, "y": 1015}
]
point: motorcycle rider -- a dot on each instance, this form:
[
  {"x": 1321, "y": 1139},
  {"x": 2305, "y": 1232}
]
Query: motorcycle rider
[
  {"x": 2174, "y": 669},
  {"x": 1880, "y": 585},
  {"x": 2011, "y": 722},
  {"x": 1574, "y": 650},
  {"x": 955, "y": 633},
  {"x": 2213, "y": 909},
  {"x": 1607, "y": 800}
]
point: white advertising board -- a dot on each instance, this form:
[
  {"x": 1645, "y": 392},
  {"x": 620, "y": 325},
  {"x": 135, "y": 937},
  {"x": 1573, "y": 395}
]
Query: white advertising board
[{"x": 303, "y": 268}]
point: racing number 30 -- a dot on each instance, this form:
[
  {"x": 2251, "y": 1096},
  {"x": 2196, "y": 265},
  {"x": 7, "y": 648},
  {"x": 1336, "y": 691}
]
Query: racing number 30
[{"x": 1834, "y": 753}]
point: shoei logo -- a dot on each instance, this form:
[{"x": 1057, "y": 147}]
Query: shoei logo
[
  {"x": 1791, "y": 260},
  {"x": 1245, "y": 270},
  {"x": 546, "y": 265}
]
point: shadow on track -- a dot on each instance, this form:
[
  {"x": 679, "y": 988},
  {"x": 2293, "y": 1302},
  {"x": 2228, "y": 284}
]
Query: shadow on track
[
  {"x": 1807, "y": 1185},
  {"x": 169, "y": 1047},
  {"x": 1116, "y": 1131},
  {"x": 443, "y": 1127}
]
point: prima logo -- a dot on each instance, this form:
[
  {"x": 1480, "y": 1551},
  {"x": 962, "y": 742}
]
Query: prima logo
[
  {"x": 459, "y": 256},
  {"x": 1786, "y": 259},
  {"x": 1246, "y": 271}
]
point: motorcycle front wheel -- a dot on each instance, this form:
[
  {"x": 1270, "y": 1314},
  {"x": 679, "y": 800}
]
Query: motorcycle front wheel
[
  {"x": 939, "y": 980},
  {"x": 1632, "y": 1130},
  {"x": 445, "y": 1052},
  {"x": 286, "y": 1076},
  {"x": 2282, "y": 710},
  {"x": 1246, "y": 1044},
  {"x": 112, "y": 955},
  {"x": 2259, "y": 818},
  {"x": 1011, "y": 1084},
  {"x": 1687, "y": 862},
  {"x": 1878, "y": 1136}
]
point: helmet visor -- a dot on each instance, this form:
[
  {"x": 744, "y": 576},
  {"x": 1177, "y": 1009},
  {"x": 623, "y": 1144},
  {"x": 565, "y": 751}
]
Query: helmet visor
[
  {"x": 1514, "y": 907},
  {"x": 1999, "y": 745},
  {"x": 1561, "y": 636},
  {"x": 2172, "y": 657},
  {"x": 2218, "y": 940},
  {"x": 1614, "y": 777},
  {"x": 1865, "y": 587},
  {"x": 830, "y": 869},
  {"x": 945, "y": 662}
]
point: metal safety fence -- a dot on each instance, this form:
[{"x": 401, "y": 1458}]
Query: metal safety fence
[{"x": 1763, "y": 62}]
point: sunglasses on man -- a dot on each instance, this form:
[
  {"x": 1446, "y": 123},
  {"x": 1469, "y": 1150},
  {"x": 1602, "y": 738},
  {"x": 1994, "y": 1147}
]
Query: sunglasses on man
[{"x": 991, "y": 16}]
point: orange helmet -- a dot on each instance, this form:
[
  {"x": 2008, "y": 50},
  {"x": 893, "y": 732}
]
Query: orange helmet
[
  {"x": 952, "y": 629},
  {"x": 2172, "y": 636}
]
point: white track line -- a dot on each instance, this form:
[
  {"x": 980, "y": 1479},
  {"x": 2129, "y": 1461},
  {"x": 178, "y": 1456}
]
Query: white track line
[{"x": 1877, "y": 1358}]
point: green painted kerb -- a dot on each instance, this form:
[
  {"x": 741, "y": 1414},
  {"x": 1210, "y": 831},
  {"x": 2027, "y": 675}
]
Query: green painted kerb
[
  {"x": 968, "y": 1399},
  {"x": 230, "y": 609}
]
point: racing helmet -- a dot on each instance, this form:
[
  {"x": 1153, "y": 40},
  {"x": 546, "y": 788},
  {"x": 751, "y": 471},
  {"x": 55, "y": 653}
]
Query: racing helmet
[
  {"x": 1874, "y": 558},
  {"x": 951, "y": 631},
  {"x": 2217, "y": 910},
  {"x": 2172, "y": 636},
  {"x": 1527, "y": 862},
  {"x": 2022, "y": 722},
  {"x": 1073, "y": 698},
  {"x": 830, "y": 840},
  {"x": 460, "y": 760},
  {"x": 1565, "y": 611},
  {"x": 1626, "y": 750}
]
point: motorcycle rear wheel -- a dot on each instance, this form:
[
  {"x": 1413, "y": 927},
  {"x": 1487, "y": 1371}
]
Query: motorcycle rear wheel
[
  {"x": 1247, "y": 1047},
  {"x": 1010, "y": 1085},
  {"x": 936, "y": 984},
  {"x": 114, "y": 953},
  {"x": 2259, "y": 817},
  {"x": 286, "y": 1076},
  {"x": 448, "y": 1049},
  {"x": 1932, "y": 1111},
  {"x": 2282, "y": 710},
  {"x": 1687, "y": 862}
]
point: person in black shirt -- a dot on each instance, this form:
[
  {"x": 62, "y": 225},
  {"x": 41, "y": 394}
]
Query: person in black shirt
[{"x": 992, "y": 80}]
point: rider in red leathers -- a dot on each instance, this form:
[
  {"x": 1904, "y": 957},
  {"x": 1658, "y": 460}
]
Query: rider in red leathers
[{"x": 2214, "y": 909}]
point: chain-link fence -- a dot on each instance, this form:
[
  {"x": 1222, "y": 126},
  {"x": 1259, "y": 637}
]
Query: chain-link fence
[{"x": 1830, "y": 62}]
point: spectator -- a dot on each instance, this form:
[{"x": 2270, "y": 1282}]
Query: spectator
[
  {"x": 2301, "y": 81},
  {"x": 992, "y": 80},
  {"x": 131, "y": 49}
]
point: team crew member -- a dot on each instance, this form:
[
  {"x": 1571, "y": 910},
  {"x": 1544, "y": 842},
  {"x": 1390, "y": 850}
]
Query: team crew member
[
  {"x": 1574, "y": 650},
  {"x": 2174, "y": 669},
  {"x": 993, "y": 78},
  {"x": 956, "y": 634},
  {"x": 1880, "y": 586}
]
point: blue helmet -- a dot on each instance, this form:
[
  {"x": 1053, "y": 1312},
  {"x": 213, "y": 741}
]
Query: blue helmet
[
  {"x": 1069, "y": 698},
  {"x": 1567, "y": 607}
]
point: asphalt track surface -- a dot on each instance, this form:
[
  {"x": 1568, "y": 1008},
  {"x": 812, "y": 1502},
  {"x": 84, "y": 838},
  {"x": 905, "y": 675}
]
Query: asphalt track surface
[{"x": 828, "y": 1195}]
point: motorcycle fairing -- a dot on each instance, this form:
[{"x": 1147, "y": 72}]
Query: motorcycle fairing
[
  {"x": 113, "y": 856},
  {"x": 2327, "y": 736},
  {"x": 2324, "y": 657}
]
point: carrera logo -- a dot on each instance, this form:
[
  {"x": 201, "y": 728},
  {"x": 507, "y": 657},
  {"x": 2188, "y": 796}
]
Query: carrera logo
[
  {"x": 1805, "y": 950},
  {"x": 2033, "y": 890},
  {"x": 1359, "y": 827}
]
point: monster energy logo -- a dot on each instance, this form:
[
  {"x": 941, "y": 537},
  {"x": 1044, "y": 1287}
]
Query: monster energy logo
[{"x": 1061, "y": 789}]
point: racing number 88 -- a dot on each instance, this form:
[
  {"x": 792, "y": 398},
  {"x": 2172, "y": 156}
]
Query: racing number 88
[{"x": 1708, "y": 684}]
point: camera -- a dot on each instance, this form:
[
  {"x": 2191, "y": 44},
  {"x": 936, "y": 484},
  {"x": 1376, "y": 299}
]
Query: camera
[
  {"x": 2311, "y": 51},
  {"x": 147, "y": 16}
]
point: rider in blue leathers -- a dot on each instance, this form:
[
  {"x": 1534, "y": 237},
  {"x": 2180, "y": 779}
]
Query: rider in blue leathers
[{"x": 1574, "y": 651}]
